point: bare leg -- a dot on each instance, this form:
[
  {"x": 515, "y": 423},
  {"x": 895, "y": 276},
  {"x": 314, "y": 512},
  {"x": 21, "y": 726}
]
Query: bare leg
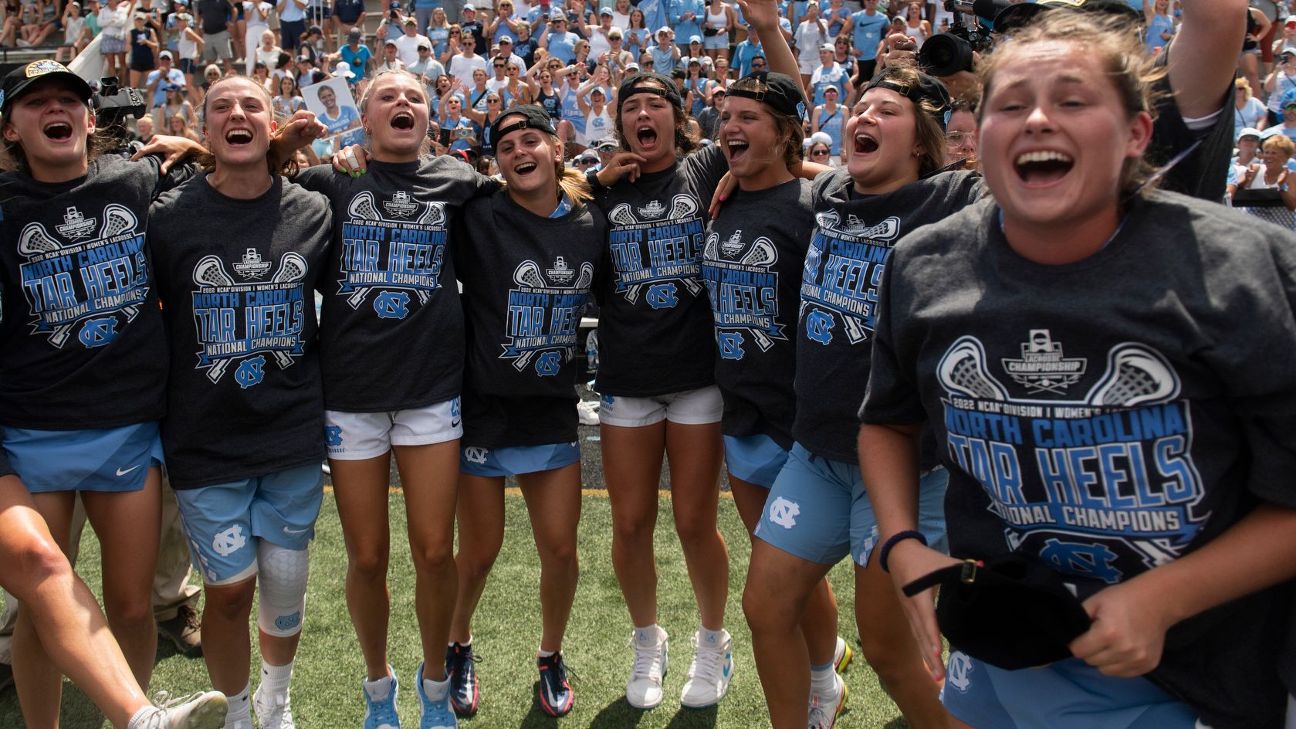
[
  {"x": 632, "y": 459},
  {"x": 227, "y": 647},
  {"x": 481, "y": 534},
  {"x": 129, "y": 529},
  {"x": 360, "y": 488},
  {"x": 38, "y": 680},
  {"x": 553, "y": 501},
  {"x": 429, "y": 481},
  {"x": 694, "y": 453}
]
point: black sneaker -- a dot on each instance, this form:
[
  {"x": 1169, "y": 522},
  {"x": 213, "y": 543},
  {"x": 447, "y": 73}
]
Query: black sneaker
[
  {"x": 556, "y": 697},
  {"x": 185, "y": 630},
  {"x": 465, "y": 694}
]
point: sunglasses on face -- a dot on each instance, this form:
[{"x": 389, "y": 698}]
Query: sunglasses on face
[
  {"x": 819, "y": 153},
  {"x": 498, "y": 65}
]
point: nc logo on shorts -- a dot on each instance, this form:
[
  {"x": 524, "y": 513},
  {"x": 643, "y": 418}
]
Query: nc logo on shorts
[
  {"x": 607, "y": 400},
  {"x": 98, "y": 332},
  {"x": 333, "y": 436},
  {"x": 730, "y": 345},
  {"x": 819, "y": 326},
  {"x": 548, "y": 364},
  {"x": 959, "y": 672},
  {"x": 229, "y": 541},
  {"x": 250, "y": 372},
  {"x": 476, "y": 455},
  {"x": 784, "y": 512},
  {"x": 391, "y": 305},
  {"x": 288, "y": 622},
  {"x": 662, "y": 296}
]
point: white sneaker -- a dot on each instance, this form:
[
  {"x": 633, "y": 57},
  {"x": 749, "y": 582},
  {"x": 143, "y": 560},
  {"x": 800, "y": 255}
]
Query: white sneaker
[
  {"x": 644, "y": 690},
  {"x": 825, "y": 708},
  {"x": 273, "y": 710},
  {"x": 842, "y": 655},
  {"x": 200, "y": 711},
  {"x": 710, "y": 672}
]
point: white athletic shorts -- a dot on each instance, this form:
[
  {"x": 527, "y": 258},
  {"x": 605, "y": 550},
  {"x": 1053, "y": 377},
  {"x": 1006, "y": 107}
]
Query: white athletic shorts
[
  {"x": 357, "y": 436},
  {"x": 691, "y": 407}
]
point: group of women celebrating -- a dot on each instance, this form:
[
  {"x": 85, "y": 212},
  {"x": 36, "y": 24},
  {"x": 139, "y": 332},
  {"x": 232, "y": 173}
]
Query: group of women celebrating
[{"x": 1049, "y": 363}]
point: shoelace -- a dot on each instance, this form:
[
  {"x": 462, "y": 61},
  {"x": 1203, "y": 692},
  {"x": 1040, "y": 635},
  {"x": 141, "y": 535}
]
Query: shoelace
[
  {"x": 707, "y": 662},
  {"x": 163, "y": 702},
  {"x": 647, "y": 660},
  {"x": 280, "y": 712}
]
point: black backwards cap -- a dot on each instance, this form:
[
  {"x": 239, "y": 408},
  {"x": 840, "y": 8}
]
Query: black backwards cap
[
  {"x": 782, "y": 93},
  {"x": 927, "y": 88},
  {"x": 638, "y": 84},
  {"x": 1016, "y": 16},
  {"x": 17, "y": 81},
  {"x": 522, "y": 116}
]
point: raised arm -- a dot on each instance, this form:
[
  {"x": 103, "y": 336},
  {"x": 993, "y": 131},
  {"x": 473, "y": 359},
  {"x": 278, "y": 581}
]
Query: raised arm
[{"x": 1203, "y": 54}]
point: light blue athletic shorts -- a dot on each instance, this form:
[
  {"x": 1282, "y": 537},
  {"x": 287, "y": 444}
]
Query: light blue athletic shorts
[
  {"x": 1069, "y": 694},
  {"x": 756, "y": 459},
  {"x": 511, "y": 461},
  {"x": 818, "y": 510},
  {"x": 224, "y": 521},
  {"x": 111, "y": 459}
]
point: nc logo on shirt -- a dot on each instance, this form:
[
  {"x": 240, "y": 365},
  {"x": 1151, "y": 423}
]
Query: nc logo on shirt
[
  {"x": 98, "y": 332},
  {"x": 959, "y": 672},
  {"x": 1094, "y": 560},
  {"x": 250, "y": 372},
  {"x": 229, "y": 541},
  {"x": 548, "y": 364},
  {"x": 784, "y": 512},
  {"x": 392, "y": 305},
  {"x": 543, "y": 314},
  {"x": 819, "y": 326},
  {"x": 662, "y": 296},
  {"x": 730, "y": 345}
]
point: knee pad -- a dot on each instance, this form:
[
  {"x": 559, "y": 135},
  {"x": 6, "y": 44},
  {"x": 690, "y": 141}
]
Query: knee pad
[{"x": 282, "y": 574}]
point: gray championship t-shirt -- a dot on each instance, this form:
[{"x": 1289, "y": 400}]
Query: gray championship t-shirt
[
  {"x": 1111, "y": 415},
  {"x": 848, "y": 252},
  {"x": 752, "y": 263},
  {"x": 655, "y": 321},
  {"x": 392, "y": 332},
  {"x": 81, "y": 340},
  {"x": 526, "y": 282},
  {"x": 237, "y": 281}
]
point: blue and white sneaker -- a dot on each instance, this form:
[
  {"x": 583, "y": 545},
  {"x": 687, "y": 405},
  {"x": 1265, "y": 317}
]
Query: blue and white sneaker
[
  {"x": 710, "y": 672},
  {"x": 436, "y": 713},
  {"x": 380, "y": 702},
  {"x": 556, "y": 697}
]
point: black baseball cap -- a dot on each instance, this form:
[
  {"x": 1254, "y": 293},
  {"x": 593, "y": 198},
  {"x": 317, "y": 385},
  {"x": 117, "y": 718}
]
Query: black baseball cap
[
  {"x": 17, "y": 81},
  {"x": 782, "y": 93},
  {"x": 637, "y": 84},
  {"x": 927, "y": 88},
  {"x": 522, "y": 116}
]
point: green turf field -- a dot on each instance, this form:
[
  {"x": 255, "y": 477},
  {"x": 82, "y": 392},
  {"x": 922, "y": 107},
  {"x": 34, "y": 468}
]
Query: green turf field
[{"x": 326, "y": 686}]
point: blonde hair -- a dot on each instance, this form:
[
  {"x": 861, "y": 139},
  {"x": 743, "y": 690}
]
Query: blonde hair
[
  {"x": 1279, "y": 143},
  {"x": 1115, "y": 44}
]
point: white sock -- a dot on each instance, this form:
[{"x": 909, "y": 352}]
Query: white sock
[
  {"x": 465, "y": 644},
  {"x": 706, "y": 636},
  {"x": 240, "y": 709},
  {"x": 542, "y": 653},
  {"x": 436, "y": 690},
  {"x": 276, "y": 678},
  {"x": 823, "y": 680},
  {"x": 648, "y": 635},
  {"x": 380, "y": 689}
]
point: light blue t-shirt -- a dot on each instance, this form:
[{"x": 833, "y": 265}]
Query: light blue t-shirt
[{"x": 868, "y": 33}]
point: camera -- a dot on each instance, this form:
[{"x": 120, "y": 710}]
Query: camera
[
  {"x": 945, "y": 54},
  {"x": 113, "y": 104}
]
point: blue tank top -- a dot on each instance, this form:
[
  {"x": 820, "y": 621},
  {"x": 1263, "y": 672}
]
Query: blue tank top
[{"x": 831, "y": 124}]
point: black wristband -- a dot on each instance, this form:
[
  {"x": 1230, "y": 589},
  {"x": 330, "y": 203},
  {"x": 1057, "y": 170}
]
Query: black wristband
[
  {"x": 591, "y": 177},
  {"x": 885, "y": 552}
]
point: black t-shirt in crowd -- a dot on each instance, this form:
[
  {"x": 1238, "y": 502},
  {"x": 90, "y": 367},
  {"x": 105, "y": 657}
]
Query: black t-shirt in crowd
[
  {"x": 526, "y": 281},
  {"x": 214, "y": 14},
  {"x": 852, "y": 239},
  {"x": 237, "y": 280},
  {"x": 752, "y": 266},
  {"x": 392, "y": 335},
  {"x": 81, "y": 341},
  {"x": 654, "y": 321},
  {"x": 1110, "y": 415}
]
